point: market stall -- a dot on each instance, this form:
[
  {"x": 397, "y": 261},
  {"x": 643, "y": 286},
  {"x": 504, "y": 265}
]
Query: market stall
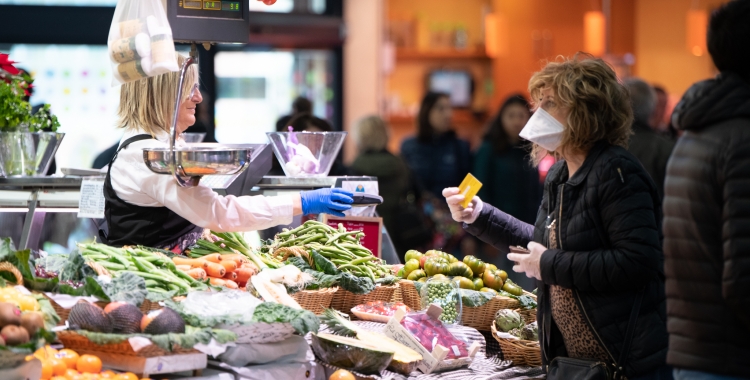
[{"x": 314, "y": 301}]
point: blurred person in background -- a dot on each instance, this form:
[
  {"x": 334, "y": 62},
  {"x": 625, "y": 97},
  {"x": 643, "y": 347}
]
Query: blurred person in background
[
  {"x": 707, "y": 212},
  {"x": 438, "y": 159},
  {"x": 436, "y": 155},
  {"x": 658, "y": 121},
  {"x": 394, "y": 183},
  {"x": 300, "y": 105},
  {"x": 595, "y": 247},
  {"x": 509, "y": 181},
  {"x": 651, "y": 149}
]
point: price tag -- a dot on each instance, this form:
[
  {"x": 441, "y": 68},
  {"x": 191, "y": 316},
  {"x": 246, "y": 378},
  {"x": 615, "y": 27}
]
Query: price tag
[{"x": 91, "y": 203}]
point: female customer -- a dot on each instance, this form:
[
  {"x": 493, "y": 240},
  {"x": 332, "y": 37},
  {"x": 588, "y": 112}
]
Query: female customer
[
  {"x": 145, "y": 208},
  {"x": 436, "y": 155},
  {"x": 595, "y": 247}
]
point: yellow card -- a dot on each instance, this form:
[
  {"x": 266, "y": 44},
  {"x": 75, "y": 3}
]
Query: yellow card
[{"x": 469, "y": 187}]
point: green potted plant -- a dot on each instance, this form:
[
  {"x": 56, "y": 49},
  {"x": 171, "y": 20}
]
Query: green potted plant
[{"x": 28, "y": 141}]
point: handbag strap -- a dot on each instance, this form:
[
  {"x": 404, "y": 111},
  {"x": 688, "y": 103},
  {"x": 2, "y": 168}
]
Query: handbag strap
[{"x": 629, "y": 333}]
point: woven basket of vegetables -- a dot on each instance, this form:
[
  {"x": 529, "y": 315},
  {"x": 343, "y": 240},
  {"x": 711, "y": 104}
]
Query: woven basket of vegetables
[
  {"x": 78, "y": 342},
  {"x": 520, "y": 352},
  {"x": 345, "y": 300},
  {"x": 407, "y": 294},
  {"x": 483, "y": 316},
  {"x": 315, "y": 301}
]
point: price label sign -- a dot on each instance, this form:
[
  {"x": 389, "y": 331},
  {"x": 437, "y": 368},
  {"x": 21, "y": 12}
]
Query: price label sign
[{"x": 91, "y": 202}]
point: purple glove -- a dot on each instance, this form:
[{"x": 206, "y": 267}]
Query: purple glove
[{"x": 329, "y": 201}]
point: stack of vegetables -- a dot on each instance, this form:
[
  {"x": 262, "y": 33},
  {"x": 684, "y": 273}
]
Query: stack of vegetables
[{"x": 471, "y": 273}]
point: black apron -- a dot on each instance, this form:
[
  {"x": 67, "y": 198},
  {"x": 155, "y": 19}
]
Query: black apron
[{"x": 128, "y": 224}]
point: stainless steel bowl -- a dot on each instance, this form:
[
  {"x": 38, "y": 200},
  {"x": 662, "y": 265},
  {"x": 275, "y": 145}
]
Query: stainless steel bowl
[{"x": 198, "y": 160}]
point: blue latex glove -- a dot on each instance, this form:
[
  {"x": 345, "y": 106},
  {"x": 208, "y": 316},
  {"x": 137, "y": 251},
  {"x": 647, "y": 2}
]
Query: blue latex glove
[{"x": 329, "y": 201}]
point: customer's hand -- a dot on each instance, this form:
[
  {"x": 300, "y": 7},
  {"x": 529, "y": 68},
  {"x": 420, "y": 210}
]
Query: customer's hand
[
  {"x": 460, "y": 214},
  {"x": 329, "y": 201},
  {"x": 529, "y": 262}
]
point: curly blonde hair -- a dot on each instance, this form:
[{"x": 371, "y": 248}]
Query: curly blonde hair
[{"x": 599, "y": 104}]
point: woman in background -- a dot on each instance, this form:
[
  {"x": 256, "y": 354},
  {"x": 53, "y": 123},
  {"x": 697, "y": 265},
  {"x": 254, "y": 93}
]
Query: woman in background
[
  {"x": 437, "y": 156},
  {"x": 509, "y": 181}
]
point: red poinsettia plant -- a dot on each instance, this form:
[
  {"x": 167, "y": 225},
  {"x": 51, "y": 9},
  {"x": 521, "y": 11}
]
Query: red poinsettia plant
[{"x": 15, "y": 111}]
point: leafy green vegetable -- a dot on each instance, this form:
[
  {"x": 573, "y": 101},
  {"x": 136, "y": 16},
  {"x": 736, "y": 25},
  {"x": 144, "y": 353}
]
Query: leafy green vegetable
[
  {"x": 19, "y": 259},
  {"x": 203, "y": 320},
  {"x": 473, "y": 298},
  {"x": 160, "y": 296},
  {"x": 76, "y": 269},
  {"x": 50, "y": 315},
  {"x": 52, "y": 263},
  {"x": 126, "y": 287},
  {"x": 387, "y": 280},
  {"x": 303, "y": 321},
  {"x": 190, "y": 338},
  {"x": 356, "y": 285},
  {"x": 324, "y": 265}
]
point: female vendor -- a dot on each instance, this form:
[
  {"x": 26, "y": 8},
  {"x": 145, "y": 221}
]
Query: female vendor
[{"x": 142, "y": 207}]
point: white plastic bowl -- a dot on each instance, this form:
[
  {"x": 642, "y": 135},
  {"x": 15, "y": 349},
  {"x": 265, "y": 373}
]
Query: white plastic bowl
[{"x": 306, "y": 154}]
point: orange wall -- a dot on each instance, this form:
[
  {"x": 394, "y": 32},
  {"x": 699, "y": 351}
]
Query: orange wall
[
  {"x": 661, "y": 50},
  {"x": 560, "y": 26}
]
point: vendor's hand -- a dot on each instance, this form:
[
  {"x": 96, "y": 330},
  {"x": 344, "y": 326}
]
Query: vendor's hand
[
  {"x": 460, "y": 214},
  {"x": 329, "y": 201},
  {"x": 529, "y": 262}
]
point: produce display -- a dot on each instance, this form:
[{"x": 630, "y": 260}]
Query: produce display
[
  {"x": 67, "y": 364},
  {"x": 378, "y": 311},
  {"x": 471, "y": 273},
  {"x": 444, "y": 293},
  {"x": 430, "y": 332},
  {"x": 512, "y": 323},
  {"x": 404, "y": 361}
]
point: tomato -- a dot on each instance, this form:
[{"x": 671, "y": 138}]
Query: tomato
[
  {"x": 451, "y": 259},
  {"x": 512, "y": 288},
  {"x": 416, "y": 275},
  {"x": 411, "y": 266},
  {"x": 436, "y": 265},
  {"x": 492, "y": 279},
  {"x": 465, "y": 283},
  {"x": 491, "y": 266},
  {"x": 488, "y": 290},
  {"x": 503, "y": 275},
  {"x": 423, "y": 259},
  {"x": 460, "y": 269},
  {"x": 400, "y": 273},
  {"x": 478, "y": 284},
  {"x": 412, "y": 254},
  {"x": 447, "y": 256},
  {"x": 477, "y": 266}
]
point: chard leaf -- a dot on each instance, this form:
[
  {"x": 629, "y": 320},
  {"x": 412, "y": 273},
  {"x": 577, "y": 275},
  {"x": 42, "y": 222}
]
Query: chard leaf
[
  {"x": 324, "y": 265},
  {"x": 127, "y": 287},
  {"x": 356, "y": 285}
]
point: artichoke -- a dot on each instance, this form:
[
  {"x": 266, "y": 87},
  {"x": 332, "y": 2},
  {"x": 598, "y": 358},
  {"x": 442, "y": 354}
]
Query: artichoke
[
  {"x": 530, "y": 332},
  {"x": 507, "y": 319},
  {"x": 516, "y": 332}
]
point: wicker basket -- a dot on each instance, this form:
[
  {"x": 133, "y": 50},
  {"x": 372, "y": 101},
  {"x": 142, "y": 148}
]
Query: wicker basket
[
  {"x": 315, "y": 301},
  {"x": 75, "y": 341},
  {"x": 345, "y": 300},
  {"x": 520, "y": 352},
  {"x": 8, "y": 267},
  {"x": 409, "y": 294},
  {"x": 529, "y": 315},
  {"x": 482, "y": 317},
  {"x": 148, "y": 306}
]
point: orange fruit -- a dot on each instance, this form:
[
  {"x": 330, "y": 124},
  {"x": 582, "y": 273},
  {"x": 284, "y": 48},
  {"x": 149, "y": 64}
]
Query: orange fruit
[
  {"x": 126, "y": 376},
  {"x": 47, "y": 370},
  {"x": 45, "y": 352},
  {"x": 58, "y": 378},
  {"x": 107, "y": 375},
  {"x": 70, "y": 357},
  {"x": 71, "y": 372},
  {"x": 58, "y": 366},
  {"x": 89, "y": 364}
]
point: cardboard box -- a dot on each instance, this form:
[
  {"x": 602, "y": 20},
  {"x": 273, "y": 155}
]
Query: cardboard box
[{"x": 431, "y": 361}]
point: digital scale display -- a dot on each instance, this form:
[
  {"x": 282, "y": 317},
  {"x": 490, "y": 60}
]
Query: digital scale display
[{"x": 214, "y": 9}]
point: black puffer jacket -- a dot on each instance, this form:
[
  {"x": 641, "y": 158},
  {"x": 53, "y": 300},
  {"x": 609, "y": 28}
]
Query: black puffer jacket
[
  {"x": 610, "y": 249},
  {"x": 707, "y": 229}
]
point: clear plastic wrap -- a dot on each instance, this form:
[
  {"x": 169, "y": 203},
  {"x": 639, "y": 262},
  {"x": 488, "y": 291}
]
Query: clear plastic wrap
[
  {"x": 378, "y": 311},
  {"x": 445, "y": 293},
  {"x": 430, "y": 331},
  {"x": 140, "y": 41}
]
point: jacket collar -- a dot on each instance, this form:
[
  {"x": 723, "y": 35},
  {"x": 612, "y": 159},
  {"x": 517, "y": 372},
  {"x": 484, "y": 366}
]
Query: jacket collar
[{"x": 559, "y": 174}]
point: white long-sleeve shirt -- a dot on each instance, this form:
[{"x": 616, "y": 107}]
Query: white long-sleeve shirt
[{"x": 137, "y": 184}]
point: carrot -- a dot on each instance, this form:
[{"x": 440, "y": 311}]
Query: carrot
[
  {"x": 217, "y": 281},
  {"x": 194, "y": 263},
  {"x": 244, "y": 274},
  {"x": 213, "y": 257},
  {"x": 197, "y": 273},
  {"x": 184, "y": 268},
  {"x": 232, "y": 258},
  {"x": 215, "y": 270},
  {"x": 231, "y": 284},
  {"x": 229, "y": 265},
  {"x": 230, "y": 276},
  {"x": 235, "y": 257}
]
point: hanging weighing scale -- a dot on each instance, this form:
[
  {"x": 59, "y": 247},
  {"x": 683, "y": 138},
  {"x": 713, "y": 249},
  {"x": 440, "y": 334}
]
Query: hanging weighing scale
[{"x": 203, "y": 22}]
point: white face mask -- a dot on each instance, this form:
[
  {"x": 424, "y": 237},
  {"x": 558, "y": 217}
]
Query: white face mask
[{"x": 543, "y": 130}]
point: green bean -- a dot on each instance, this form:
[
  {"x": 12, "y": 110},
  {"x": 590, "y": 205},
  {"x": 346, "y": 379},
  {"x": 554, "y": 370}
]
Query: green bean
[
  {"x": 362, "y": 260},
  {"x": 313, "y": 238},
  {"x": 111, "y": 266},
  {"x": 152, "y": 283},
  {"x": 173, "y": 287}
]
